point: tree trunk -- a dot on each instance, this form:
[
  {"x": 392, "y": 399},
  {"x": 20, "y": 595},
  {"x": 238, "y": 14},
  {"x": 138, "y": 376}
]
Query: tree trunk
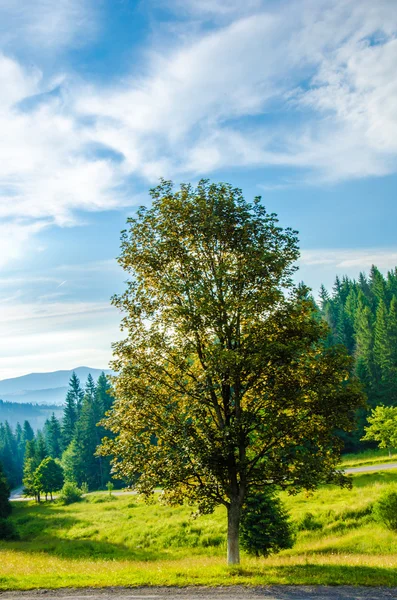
[{"x": 233, "y": 526}]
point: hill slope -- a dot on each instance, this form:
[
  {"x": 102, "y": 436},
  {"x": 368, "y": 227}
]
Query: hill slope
[{"x": 44, "y": 388}]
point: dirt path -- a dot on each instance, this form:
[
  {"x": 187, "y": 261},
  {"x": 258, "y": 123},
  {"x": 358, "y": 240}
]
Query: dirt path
[{"x": 206, "y": 593}]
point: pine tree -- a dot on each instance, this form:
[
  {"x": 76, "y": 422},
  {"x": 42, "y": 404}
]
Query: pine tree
[
  {"x": 28, "y": 433},
  {"x": 72, "y": 409},
  {"x": 364, "y": 344},
  {"x": 5, "y": 506},
  {"x": 41, "y": 448},
  {"x": 377, "y": 286},
  {"x": 383, "y": 357},
  {"x": 9, "y": 455},
  {"x": 52, "y": 434}
]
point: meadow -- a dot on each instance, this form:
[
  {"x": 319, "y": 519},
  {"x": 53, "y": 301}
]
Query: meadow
[
  {"x": 368, "y": 458},
  {"x": 120, "y": 540}
]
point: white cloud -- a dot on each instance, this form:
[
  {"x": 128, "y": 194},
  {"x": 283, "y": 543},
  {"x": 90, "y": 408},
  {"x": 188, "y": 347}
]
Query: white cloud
[
  {"x": 181, "y": 115},
  {"x": 50, "y": 335},
  {"x": 320, "y": 266},
  {"x": 44, "y": 24},
  {"x": 384, "y": 258},
  {"x": 229, "y": 96}
]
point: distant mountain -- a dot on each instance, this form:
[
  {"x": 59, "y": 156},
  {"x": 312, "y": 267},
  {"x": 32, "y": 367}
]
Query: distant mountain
[
  {"x": 43, "y": 388},
  {"x": 14, "y": 413}
]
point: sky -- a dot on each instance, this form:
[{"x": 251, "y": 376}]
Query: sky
[{"x": 293, "y": 100}]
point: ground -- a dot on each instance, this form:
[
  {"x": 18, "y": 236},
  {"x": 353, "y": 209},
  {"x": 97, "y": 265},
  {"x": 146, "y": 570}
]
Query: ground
[{"x": 121, "y": 541}]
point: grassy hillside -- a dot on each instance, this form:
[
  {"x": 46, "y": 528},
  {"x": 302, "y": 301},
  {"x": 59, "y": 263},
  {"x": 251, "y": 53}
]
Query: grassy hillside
[{"x": 122, "y": 541}]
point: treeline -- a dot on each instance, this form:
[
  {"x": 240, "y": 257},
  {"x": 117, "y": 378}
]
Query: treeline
[
  {"x": 362, "y": 315},
  {"x": 70, "y": 441},
  {"x": 36, "y": 414}
]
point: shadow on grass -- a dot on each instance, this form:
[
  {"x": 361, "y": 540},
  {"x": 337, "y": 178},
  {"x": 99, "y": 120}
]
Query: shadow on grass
[
  {"x": 38, "y": 527},
  {"x": 365, "y": 479}
]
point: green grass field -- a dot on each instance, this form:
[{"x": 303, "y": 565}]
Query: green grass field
[
  {"x": 106, "y": 541},
  {"x": 367, "y": 458}
]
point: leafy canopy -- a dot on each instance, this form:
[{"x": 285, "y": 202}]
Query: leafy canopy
[{"x": 225, "y": 384}]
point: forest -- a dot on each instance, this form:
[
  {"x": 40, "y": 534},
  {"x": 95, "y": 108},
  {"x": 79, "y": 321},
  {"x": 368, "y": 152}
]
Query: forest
[
  {"x": 71, "y": 440},
  {"x": 362, "y": 315}
]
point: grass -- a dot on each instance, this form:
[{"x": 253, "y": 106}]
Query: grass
[
  {"x": 367, "y": 458},
  {"x": 106, "y": 541}
]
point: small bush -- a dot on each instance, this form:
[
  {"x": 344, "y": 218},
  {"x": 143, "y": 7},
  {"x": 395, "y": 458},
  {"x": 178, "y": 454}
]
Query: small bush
[
  {"x": 385, "y": 510},
  {"x": 265, "y": 525},
  {"x": 7, "y": 530},
  {"x": 70, "y": 493}
]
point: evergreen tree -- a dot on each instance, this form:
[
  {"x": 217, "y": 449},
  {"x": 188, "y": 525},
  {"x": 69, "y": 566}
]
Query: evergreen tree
[
  {"x": 41, "y": 448},
  {"x": 9, "y": 455},
  {"x": 28, "y": 433},
  {"x": 363, "y": 316},
  {"x": 5, "y": 506},
  {"x": 52, "y": 435},
  {"x": 72, "y": 409}
]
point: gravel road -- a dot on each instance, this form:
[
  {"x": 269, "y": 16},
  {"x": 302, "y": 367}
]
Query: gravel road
[
  {"x": 363, "y": 469},
  {"x": 206, "y": 593}
]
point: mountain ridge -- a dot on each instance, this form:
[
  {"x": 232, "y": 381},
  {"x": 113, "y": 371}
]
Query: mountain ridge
[{"x": 44, "y": 388}]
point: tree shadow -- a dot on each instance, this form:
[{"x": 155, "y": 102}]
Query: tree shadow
[{"x": 37, "y": 528}]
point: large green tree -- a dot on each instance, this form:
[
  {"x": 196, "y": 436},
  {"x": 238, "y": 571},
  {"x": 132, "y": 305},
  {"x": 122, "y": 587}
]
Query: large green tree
[{"x": 225, "y": 384}]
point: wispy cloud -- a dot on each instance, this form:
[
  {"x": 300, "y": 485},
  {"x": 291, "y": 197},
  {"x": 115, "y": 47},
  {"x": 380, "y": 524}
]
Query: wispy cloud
[
  {"x": 231, "y": 95},
  {"x": 360, "y": 260},
  {"x": 61, "y": 334},
  {"x": 43, "y": 24}
]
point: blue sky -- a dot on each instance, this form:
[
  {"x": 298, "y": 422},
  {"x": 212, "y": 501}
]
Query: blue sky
[{"x": 294, "y": 100}]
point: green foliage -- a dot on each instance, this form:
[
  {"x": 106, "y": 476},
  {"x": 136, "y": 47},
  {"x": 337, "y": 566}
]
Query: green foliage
[
  {"x": 7, "y": 530},
  {"x": 363, "y": 316},
  {"x": 385, "y": 510},
  {"x": 48, "y": 477},
  {"x": 52, "y": 436},
  {"x": 70, "y": 493},
  {"x": 265, "y": 525},
  {"x": 224, "y": 364},
  {"x": 382, "y": 427},
  {"x": 5, "y": 506}
]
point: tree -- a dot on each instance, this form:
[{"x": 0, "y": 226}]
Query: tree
[
  {"x": 224, "y": 384},
  {"x": 72, "y": 410},
  {"x": 382, "y": 427},
  {"x": 52, "y": 435},
  {"x": 265, "y": 524},
  {"x": 5, "y": 506},
  {"x": 49, "y": 476}
]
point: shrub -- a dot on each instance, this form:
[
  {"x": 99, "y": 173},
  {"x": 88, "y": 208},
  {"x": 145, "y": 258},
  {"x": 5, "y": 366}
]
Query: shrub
[
  {"x": 385, "y": 510},
  {"x": 70, "y": 493},
  {"x": 7, "y": 530},
  {"x": 265, "y": 525}
]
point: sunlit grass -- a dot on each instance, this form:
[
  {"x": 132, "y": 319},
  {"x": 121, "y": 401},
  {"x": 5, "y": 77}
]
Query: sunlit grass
[
  {"x": 122, "y": 541},
  {"x": 367, "y": 458}
]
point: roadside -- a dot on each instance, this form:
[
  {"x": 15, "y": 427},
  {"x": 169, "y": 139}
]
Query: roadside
[{"x": 209, "y": 593}]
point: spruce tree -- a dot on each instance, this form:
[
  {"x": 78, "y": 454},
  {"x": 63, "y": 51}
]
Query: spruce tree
[
  {"x": 5, "y": 506},
  {"x": 72, "y": 409},
  {"x": 52, "y": 434}
]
